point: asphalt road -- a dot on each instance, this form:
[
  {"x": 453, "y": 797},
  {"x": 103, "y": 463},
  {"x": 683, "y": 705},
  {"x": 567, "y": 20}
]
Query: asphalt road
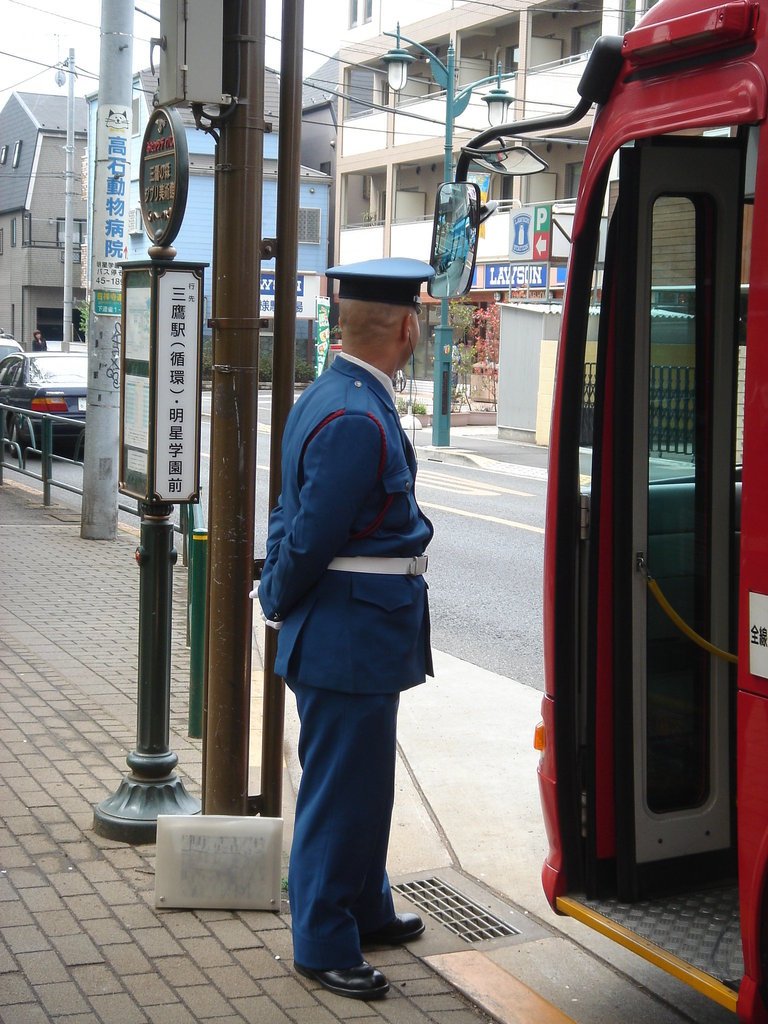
[
  {"x": 485, "y": 560},
  {"x": 485, "y": 570}
]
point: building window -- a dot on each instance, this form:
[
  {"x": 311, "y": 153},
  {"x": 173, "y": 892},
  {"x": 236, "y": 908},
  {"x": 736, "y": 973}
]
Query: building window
[
  {"x": 325, "y": 167},
  {"x": 511, "y": 59},
  {"x": 584, "y": 37},
  {"x": 360, "y": 12},
  {"x": 572, "y": 179},
  {"x": 13, "y": 232},
  {"x": 630, "y": 14},
  {"x": 360, "y": 89},
  {"x": 309, "y": 226},
  {"x": 78, "y": 231},
  {"x": 3, "y": 154},
  {"x": 16, "y": 152},
  {"x": 2, "y": 231}
]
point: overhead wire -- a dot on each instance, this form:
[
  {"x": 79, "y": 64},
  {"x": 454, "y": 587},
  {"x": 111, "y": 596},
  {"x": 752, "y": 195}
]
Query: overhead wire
[{"x": 323, "y": 85}]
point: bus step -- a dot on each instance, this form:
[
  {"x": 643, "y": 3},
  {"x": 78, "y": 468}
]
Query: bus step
[{"x": 695, "y": 936}]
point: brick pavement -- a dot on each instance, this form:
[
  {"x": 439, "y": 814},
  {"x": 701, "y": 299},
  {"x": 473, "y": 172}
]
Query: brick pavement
[{"x": 80, "y": 939}]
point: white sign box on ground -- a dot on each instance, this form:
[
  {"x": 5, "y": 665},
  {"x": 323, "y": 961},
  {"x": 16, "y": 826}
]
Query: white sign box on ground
[{"x": 218, "y": 862}]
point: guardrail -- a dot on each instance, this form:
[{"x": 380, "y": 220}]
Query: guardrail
[
  {"x": 48, "y": 458},
  {"x": 26, "y": 419},
  {"x": 192, "y": 528}
]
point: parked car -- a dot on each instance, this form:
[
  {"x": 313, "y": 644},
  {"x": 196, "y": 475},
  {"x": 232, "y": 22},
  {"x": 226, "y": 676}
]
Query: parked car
[
  {"x": 8, "y": 345},
  {"x": 44, "y": 382}
]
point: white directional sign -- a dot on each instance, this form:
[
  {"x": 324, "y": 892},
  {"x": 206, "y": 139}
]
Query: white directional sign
[{"x": 530, "y": 233}]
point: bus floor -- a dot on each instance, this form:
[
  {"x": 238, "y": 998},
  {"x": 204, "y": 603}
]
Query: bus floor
[{"x": 697, "y": 929}]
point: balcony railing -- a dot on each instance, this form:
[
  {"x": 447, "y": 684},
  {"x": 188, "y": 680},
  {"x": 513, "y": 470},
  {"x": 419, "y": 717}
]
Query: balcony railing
[
  {"x": 366, "y": 241},
  {"x": 551, "y": 88}
]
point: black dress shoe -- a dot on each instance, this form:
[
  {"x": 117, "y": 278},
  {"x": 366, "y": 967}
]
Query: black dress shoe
[
  {"x": 404, "y": 928},
  {"x": 362, "y": 982}
]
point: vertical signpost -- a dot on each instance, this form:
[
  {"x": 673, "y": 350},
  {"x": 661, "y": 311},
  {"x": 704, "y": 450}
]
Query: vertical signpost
[
  {"x": 112, "y": 176},
  {"x": 159, "y": 465}
]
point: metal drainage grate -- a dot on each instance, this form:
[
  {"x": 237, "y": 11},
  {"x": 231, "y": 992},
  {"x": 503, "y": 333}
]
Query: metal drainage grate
[{"x": 454, "y": 911}]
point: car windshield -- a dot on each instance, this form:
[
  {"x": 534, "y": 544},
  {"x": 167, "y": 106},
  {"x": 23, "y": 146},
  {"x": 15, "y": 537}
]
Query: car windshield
[{"x": 58, "y": 369}]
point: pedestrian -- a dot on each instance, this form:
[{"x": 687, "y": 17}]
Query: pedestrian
[
  {"x": 343, "y": 582},
  {"x": 38, "y": 342}
]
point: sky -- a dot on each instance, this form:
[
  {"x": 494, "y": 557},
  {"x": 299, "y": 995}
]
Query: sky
[{"x": 37, "y": 35}]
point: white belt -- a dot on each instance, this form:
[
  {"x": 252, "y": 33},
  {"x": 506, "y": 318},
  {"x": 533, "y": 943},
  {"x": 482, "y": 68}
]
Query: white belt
[{"x": 415, "y": 566}]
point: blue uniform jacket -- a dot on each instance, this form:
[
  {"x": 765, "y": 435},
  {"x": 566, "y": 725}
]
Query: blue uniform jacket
[{"x": 348, "y": 474}]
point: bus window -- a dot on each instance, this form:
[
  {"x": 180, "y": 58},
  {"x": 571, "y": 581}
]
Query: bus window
[
  {"x": 677, "y": 714},
  {"x": 672, "y": 333},
  {"x": 677, "y": 695}
]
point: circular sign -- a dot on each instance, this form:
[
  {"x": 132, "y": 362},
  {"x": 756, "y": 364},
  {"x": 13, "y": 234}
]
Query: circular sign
[{"x": 163, "y": 175}]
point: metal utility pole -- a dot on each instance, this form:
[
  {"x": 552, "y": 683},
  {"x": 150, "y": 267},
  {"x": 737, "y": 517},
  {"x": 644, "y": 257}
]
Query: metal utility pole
[
  {"x": 69, "y": 188},
  {"x": 234, "y": 421},
  {"x": 111, "y": 194},
  {"x": 288, "y": 170}
]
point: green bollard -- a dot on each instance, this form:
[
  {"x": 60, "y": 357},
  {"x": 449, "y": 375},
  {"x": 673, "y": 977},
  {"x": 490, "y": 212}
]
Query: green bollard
[
  {"x": 198, "y": 561},
  {"x": 152, "y": 787},
  {"x": 46, "y": 461}
]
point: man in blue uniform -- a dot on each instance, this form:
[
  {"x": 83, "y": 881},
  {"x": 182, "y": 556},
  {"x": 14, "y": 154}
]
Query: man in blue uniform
[{"x": 343, "y": 581}]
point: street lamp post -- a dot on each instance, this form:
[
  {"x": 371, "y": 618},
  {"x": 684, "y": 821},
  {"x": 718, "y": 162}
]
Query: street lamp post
[{"x": 397, "y": 61}]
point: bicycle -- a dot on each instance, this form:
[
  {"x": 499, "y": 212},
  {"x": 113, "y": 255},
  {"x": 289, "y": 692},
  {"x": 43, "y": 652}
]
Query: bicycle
[{"x": 399, "y": 381}]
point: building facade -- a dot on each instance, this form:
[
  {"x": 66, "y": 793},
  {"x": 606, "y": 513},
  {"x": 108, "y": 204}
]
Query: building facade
[
  {"x": 194, "y": 242},
  {"x": 391, "y": 144},
  {"x": 33, "y": 136}
]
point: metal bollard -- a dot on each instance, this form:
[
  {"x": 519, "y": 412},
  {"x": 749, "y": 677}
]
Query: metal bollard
[
  {"x": 198, "y": 562},
  {"x": 46, "y": 460}
]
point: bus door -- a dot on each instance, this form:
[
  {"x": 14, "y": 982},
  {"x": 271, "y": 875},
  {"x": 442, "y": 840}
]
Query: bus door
[{"x": 675, "y": 509}]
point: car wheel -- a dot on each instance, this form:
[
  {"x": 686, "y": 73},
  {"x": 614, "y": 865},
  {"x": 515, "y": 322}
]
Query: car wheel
[{"x": 20, "y": 432}]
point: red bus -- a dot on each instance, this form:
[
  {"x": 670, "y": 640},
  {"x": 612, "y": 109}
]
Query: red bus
[
  {"x": 654, "y": 743},
  {"x": 654, "y": 740}
]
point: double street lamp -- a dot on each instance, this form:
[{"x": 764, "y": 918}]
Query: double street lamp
[{"x": 498, "y": 100}]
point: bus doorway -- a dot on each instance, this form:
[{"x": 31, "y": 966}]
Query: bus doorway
[
  {"x": 680, "y": 201},
  {"x": 653, "y": 811}
]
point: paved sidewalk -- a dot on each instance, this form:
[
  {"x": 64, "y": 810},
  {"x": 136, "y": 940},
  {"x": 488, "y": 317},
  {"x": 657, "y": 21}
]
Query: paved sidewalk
[{"x": 80, "y": 939}]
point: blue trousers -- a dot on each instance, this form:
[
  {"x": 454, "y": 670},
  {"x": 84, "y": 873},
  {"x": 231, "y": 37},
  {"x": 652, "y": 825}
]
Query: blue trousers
[{"x": 337, "y": 879}]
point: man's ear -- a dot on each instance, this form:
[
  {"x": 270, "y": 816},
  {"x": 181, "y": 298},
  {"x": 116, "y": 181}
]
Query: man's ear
[{"x": 405, "y": 329}]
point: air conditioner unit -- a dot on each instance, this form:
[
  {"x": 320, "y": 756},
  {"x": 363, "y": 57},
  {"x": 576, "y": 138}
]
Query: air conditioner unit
[{"x": 135, "y": 223}]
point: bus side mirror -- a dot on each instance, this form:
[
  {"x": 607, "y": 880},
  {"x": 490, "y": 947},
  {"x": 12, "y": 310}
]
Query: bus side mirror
[{"x": 454, "y": 238}]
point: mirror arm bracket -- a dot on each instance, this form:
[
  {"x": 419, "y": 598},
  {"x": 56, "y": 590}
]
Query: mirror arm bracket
[{"x": 513, "y": 130}]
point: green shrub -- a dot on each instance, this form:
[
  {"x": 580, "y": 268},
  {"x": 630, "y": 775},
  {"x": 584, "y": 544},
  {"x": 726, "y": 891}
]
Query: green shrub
[
  {"x": 418, "y": 408},
  {"x": 304, "y": 372},
  {"x": 265, "y": 368}
]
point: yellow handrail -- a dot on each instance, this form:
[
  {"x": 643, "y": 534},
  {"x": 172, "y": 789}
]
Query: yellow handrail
[{"x": 683, "y": 626}]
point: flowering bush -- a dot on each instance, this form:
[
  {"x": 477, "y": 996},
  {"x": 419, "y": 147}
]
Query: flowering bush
[{"x": 485, "y": 334}]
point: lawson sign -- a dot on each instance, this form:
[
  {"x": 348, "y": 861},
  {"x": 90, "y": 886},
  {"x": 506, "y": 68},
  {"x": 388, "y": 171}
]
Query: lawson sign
[{"x": 511, "y": 276}]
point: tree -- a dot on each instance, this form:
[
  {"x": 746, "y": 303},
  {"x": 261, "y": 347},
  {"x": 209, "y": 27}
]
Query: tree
[
  {"x": 461, "y": 314},
  {"x": 485, "y": 333}
]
